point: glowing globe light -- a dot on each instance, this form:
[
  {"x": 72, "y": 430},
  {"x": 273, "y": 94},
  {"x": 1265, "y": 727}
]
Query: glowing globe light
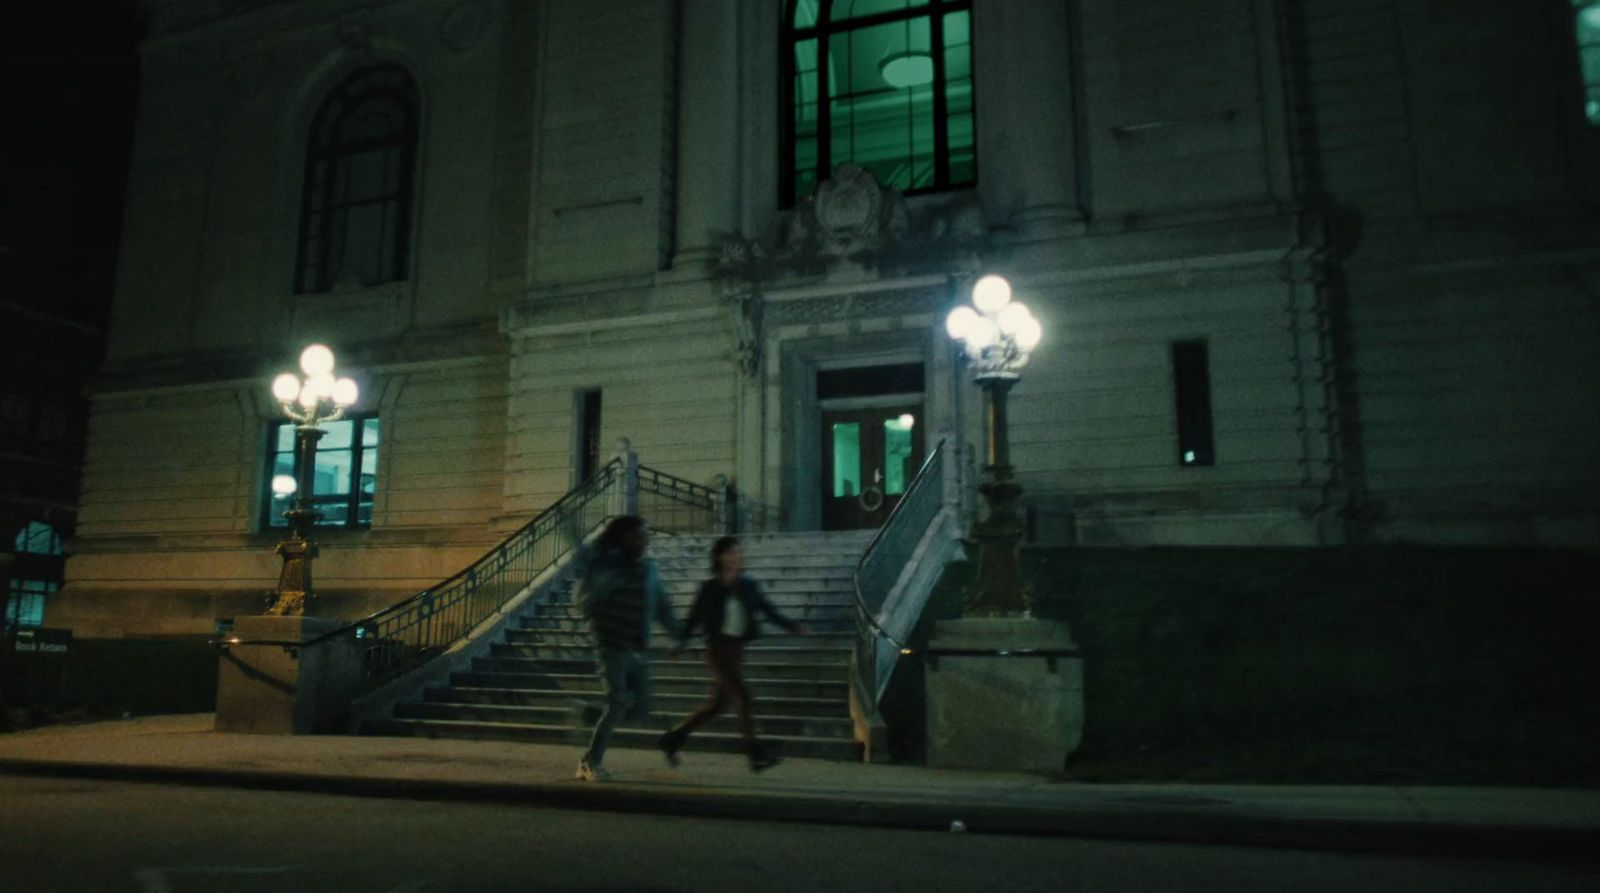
[
  {"x": 906, "y": 420},
  {"x": 983, "y": 333},
  {"x": 1029, "y": 334},
  {"x": 1013, "y": 317},
  {"x": 283, "y": 484},
  {"x": 316, "y": 360},
  {"x": 286, "y": 387},
  {"x": 960, "y": 321},
  {"x": 991, "y": 293},
  {"x": 345, "y": 392}
]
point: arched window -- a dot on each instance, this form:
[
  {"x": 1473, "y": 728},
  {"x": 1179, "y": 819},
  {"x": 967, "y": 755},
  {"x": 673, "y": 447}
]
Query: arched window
[
  {"x": 886, "y": 84},
  {"x": 355, "y": 213},
  {"x": 37, "y": 574}
]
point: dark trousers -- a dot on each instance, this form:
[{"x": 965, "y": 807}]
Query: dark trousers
[{"x": 725, "y": 657}]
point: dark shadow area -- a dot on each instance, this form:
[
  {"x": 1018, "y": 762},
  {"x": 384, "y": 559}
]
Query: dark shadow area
[{"x": 1364, "y": 664}]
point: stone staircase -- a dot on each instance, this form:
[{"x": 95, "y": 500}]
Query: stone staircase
[{"x": 540, "y": 682}]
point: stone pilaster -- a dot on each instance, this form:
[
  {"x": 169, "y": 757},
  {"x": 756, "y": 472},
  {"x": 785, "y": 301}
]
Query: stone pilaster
[
  {"x": 1026, "y": 152},
  {"x": 707, "y": 200}
]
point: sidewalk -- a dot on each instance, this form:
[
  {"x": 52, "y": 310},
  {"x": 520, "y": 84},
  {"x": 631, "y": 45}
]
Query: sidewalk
[{"x": 1506, "y": 823}]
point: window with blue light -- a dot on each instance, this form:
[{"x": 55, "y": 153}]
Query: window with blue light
[
  {"x": 37, "y": 576},
  {"x": 345, "y": 476}
]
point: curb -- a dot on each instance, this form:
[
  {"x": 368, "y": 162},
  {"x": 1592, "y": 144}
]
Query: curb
[{"x": 1380, "y": 836}]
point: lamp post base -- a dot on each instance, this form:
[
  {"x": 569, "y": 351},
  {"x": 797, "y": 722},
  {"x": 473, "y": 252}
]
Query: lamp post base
[
  {"x": 294, "y": 582},
  {"x": 998, "y": 589}
]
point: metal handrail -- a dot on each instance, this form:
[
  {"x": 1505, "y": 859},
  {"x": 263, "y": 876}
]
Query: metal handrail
[
  {"x": 711, "y": 500},
  {"x": 459, "y": 599},
  {"x": 894, "y": 514}
]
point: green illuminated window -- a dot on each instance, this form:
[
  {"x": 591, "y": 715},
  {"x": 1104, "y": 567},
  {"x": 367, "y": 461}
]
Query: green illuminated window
[
  {"x": 1588, "y": 28},
  {"x": 847, "y": 459},
  {"x": 37, "y": 574},
  {"x": 897, "y": 454},
  {"x": 886, "y": 84},
  {"x": 345, "y": 476}
]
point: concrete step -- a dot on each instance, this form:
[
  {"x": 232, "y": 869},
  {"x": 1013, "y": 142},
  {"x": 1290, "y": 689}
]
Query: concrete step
[
  {"x": 585, "y": 713},
  {"x": 661, "y": 669},
  {"x": 668, "y": 703},
  {"x": 701, "y": 562},
  {"x": 838, "y": 601},
  {"x": 775, "y": 641},
  {"x": 584, "y": 651},
  {"x": 589, "y": 682},
  {"x": 787, "y": 745}
]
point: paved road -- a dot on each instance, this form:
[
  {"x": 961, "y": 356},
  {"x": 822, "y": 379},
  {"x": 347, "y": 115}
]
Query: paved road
[{"x": 82, "y": 835}]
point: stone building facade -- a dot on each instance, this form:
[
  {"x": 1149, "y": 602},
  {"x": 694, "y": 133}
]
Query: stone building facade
[{"x": 1311, "y": 272}]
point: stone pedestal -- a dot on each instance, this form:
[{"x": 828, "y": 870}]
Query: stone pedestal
[
  {"x": 286, "y": 690},
  {"x": 1014, "y": 711}
]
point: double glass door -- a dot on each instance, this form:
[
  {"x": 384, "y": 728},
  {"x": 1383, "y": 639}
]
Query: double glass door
[{"x": 870, "y": 458}]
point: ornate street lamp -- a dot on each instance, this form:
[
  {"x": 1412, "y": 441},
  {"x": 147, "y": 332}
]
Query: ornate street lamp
[
  {"x": 308, "y": 402},
  {"x": 997, "y": 335}
]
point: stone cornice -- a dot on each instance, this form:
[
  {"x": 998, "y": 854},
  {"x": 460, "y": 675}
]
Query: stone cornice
[{"x": 467, "y": 343}]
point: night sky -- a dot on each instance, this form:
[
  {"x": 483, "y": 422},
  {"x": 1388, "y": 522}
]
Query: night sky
[{"x": 70, "y": 91}]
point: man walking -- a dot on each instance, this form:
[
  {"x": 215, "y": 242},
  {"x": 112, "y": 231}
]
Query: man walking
[{"x": 620, "y": 592}]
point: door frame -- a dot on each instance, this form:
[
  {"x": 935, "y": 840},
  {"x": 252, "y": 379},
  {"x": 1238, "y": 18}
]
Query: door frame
[
  {"x": 869, "y": 443},
  {"x": 798, "y": 416}
]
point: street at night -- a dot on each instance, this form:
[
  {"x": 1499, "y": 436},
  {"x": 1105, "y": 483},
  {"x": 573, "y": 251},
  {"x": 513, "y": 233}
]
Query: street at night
[
  {"x": 813, "y": 445},
  {"x": 71, "y": 835}
]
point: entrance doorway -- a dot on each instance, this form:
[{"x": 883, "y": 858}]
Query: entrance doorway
[{"x": 870, "y": 456}]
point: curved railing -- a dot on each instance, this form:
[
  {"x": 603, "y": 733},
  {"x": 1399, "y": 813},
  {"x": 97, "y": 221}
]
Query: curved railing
[
  {"x": 884, "y": 560},
  {"x": 411, "y": 632}
]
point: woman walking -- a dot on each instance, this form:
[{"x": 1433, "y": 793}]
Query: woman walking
[{"x": 728, "y": 609}]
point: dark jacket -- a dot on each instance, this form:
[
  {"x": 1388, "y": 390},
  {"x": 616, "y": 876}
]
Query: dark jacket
[{"x": 710, "y": 606}]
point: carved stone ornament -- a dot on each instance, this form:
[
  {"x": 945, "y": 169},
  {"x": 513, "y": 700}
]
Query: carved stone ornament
[
  {"x": 848, "y": 207},
  {"x": 853, "y": 216}
]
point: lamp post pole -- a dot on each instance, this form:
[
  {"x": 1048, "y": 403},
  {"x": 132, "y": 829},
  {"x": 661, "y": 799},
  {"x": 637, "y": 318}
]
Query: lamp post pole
[
  {"x": 998, "y": 336},
  {"x": 309, "y": 402}
]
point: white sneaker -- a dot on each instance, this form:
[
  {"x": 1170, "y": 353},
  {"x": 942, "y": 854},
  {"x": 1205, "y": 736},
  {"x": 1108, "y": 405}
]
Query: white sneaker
[{"x": 587, "y": 772}]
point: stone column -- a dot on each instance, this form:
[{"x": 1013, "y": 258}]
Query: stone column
[
  {"x": 707, "y": 199},
  {"x": 1028, "y": 166}
]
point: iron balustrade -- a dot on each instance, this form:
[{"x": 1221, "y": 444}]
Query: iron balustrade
[
  {"x": 422, "y": 626},
  {"x": 882, "y": 563},
  {"x": 405, "y": 635},
  {"x": 675, "y": 505}
]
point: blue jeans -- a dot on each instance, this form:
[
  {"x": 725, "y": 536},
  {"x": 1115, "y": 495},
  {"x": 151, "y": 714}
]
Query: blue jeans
[{"x": 626, "y": 676}]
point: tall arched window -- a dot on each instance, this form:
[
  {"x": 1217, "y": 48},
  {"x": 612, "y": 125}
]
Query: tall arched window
[
  {"x": 355, "y": 214},
  {"x": 886, "y": 84}
]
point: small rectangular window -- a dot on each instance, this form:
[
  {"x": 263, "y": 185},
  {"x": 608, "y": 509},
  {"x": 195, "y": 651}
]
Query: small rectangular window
[
  {"x": 344, "y": 480},
  {"x": 847, "y": 459},
  {"x": 588, "y": 434},
  {"x": 1191, "y": 379},
  {"x": 26, "y": 605}
]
